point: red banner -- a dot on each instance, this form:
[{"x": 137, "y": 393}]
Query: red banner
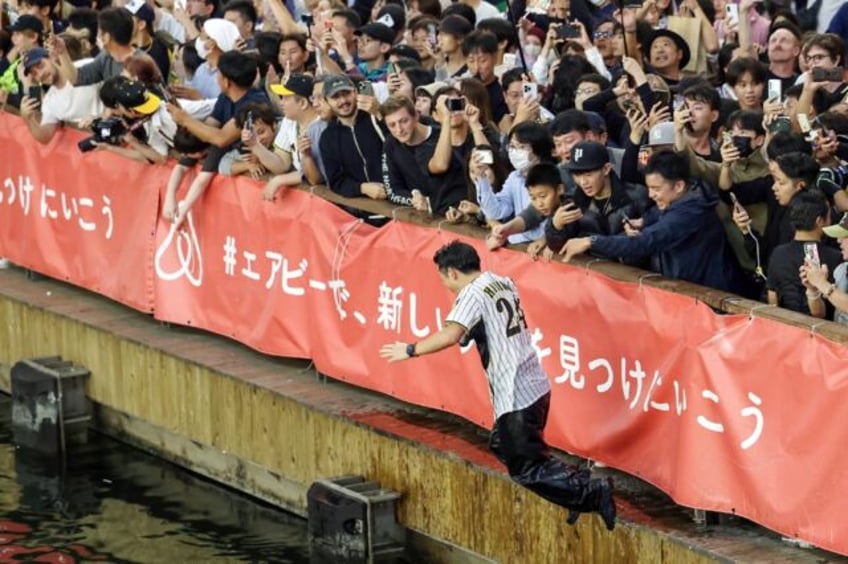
[{"x": 724, "y": 413}]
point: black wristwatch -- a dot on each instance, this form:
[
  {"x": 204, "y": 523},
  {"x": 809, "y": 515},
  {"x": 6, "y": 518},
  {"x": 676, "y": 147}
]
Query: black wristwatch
[{"x": 410, "y": 350}]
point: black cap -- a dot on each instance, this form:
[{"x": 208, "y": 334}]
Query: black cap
[
  {"x": 378, "y": 31},
  {"x": 405, "y": 51},
  {"x": 134, "y": 95},
  {"x": 27, "y": 23},
  {"x": 588, "y": 155},
  {"x": 455, "y": 25},
  {"x": 393, "y": 16},
  {"x": 297, "y": 84},
  {"x": 678, "y": 40}
]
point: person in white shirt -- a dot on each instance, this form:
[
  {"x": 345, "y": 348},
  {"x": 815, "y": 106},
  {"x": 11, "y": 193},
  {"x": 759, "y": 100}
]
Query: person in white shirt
[
  {"x": 298, "y": 135},
  {"x": 60, "y": 104},
  {"x": 488, "y": 311}
]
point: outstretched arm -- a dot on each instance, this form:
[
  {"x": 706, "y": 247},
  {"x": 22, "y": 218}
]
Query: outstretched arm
[{"x": 450, "y": 335}]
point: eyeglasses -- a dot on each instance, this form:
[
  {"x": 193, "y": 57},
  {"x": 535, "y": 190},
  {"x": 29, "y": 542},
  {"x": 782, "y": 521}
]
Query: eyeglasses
[
  {"x": 585, "y": 92},
  {"x": 602, "y": 34},
  {"x": 816, "y": 58}
]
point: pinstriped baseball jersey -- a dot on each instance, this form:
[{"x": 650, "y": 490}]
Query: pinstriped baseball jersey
[{"x": 489, "y": 310}]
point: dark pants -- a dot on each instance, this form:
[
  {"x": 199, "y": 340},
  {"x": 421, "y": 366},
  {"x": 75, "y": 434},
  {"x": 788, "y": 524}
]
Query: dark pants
[{"x": 517, "y": 441}]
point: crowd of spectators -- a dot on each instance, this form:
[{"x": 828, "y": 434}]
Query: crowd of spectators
[{"x": 705, "y": 140}]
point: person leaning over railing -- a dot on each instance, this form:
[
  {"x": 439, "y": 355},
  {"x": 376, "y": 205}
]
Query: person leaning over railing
[
  {"x": 62, "y": 103},
  {"x": 816, "y": 277},
  {"x": 237, "y": 74}
]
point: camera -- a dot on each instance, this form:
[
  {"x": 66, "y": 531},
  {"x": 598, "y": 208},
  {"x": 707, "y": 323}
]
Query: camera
[
  {"x": 109, "y": 130},
  {"x": 455, "y": 104},
  {"x": 307, "y": 19},
  {"x": 827, "y": 75}
]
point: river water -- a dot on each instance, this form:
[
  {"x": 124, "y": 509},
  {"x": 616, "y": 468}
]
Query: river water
[{"x": 113, "y": 503}]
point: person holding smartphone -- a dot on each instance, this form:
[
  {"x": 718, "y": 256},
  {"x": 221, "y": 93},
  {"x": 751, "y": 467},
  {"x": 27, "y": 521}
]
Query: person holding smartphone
[
  {"x": 808, "y": 214},
  {"x": 817, "y": 277},
  {"x": 602, "y": 204},
  {"x": 422, "y": 169}
]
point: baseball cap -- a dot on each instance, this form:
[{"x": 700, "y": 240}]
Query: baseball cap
[
  {"x": 588, "y": 155},
  {"x": 838, "y": 230},
  {"x": 405, "y": 51},
  {"x": 596, "y": 122},
  {"x": 33, "y": 57},
  {"x": 393, "y": 16},
  {"x": 678, "y": 40},
  {"x": 378, "y": 31},
  {"x": 27, "y": 23},
  {"x": 132, "y": 94},
  {"x": 336, "y": 83},
  {"x": 431, "y": 89},
  {"x": 297, "y": 85},
  {"x": 661, "y": 134},
  {"x": 455, "y": 25},
  {"x": 224, "y": 33}
]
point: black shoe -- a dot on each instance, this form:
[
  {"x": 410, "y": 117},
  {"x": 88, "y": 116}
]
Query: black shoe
[{"x": 606, "y": 506}]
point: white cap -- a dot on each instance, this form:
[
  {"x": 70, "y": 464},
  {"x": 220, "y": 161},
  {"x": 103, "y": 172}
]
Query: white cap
[{"x": 224, "y": 33}]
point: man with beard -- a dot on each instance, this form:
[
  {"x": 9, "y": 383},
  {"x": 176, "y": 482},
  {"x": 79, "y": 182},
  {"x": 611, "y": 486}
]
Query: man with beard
[
  {"x": 61, "y": 103},
  {"x": 351, "y": 145}
]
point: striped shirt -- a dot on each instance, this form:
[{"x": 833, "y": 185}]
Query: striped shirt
[{"x": 489, "y": 310}]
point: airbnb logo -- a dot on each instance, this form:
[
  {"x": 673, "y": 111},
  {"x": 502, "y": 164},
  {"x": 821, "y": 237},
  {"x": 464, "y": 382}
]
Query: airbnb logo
[{"x": 173, "y": 261}]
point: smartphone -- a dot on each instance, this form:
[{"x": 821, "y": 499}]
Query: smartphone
[
  {"x": 735, "y": 200},
  {"x": 391, "y": 69},
  {"x": 727, "y": 137},
  {"x": 455, "y": 104},
  {"x": 509, "y": 60},
  {"x": 432, "y": 35},
  {"x": 804, "y": 122},
  {"x": 678, "y": 102},
  {"x": 827, "y": 75},
  {"x": 775, "y": 90},
  {"x": 731, "y": 13},
  {"x": 34, "y": 92},
  {"x": 530, "y": 90},
  {"x": 365, "y": 88},
  {"x": 248, "y": 122},
  {"x": 486, "y": 157},
  {"x": 568, "y": 31},
  {"x": 811, "y": 253},
  {"x": 743, "y": 144}
]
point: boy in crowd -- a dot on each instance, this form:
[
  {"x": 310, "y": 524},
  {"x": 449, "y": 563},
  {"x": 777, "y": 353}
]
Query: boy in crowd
[
  {"x": 256, "y": 155},
  {"x": 808, "y": 214},
  {"x": 544, "y": 184}
]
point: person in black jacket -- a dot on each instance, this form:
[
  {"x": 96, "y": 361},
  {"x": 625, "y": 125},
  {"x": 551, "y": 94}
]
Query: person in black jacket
[
  {"x": 422, "y": 169},
  {"x": 352, "y": 144},
  {"x": 604, "y": 201},
  {"x": 683, "y": 234}
]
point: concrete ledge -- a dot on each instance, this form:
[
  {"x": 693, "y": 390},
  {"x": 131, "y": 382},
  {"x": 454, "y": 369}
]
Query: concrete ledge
[{"x": 271, "y": 427}]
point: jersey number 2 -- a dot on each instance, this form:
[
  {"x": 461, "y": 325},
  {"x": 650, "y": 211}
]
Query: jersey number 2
[{"x": 514, "y": 316}]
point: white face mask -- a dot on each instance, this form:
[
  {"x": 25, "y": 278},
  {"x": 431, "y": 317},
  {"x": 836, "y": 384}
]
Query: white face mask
[
  {"x": 200, "y": 46},
  {"x": 519, "y": 158},
  {"x": 532, "y": 51}
]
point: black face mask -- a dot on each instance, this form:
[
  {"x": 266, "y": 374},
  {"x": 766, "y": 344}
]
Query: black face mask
[{"x": 743, "y": 144}]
